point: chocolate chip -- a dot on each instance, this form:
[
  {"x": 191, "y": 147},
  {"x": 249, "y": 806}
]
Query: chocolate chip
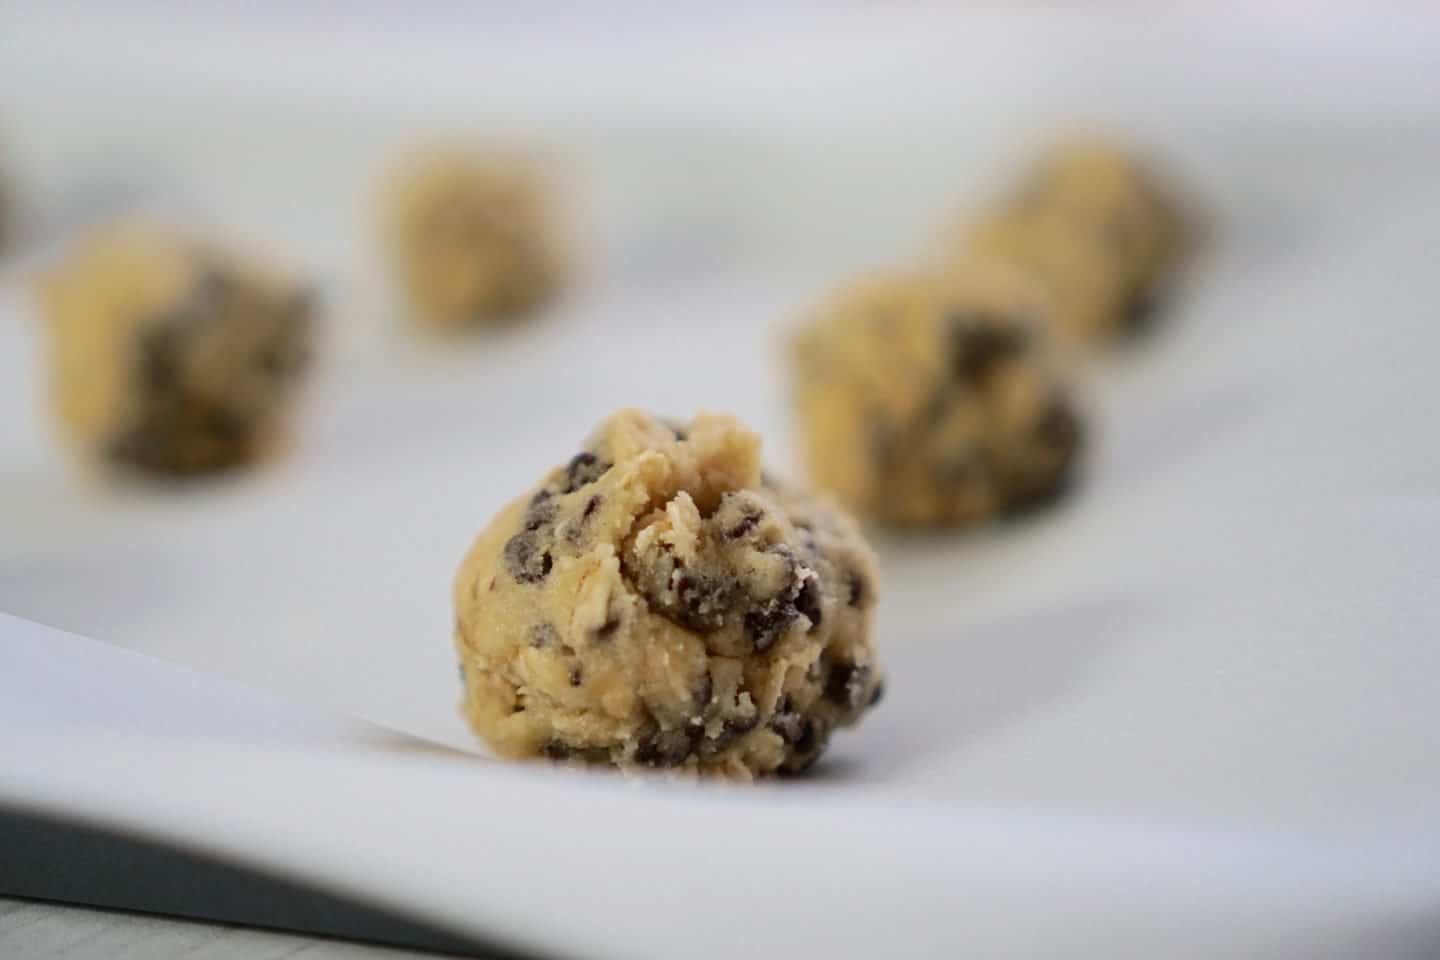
[
  {"x": 607, "y": 629},
  {"x": 808, "y": 737},
  {"x": 790, "y": 725},
  {"x": 1058, "y": 428},
  {"x": 858, "y": 588},
  {"x": 736, "y": 727},
  {"x": 978, "y": 342},
  {"x": 877, "y": 693},
  {"x": 524, "y": 558},
  {"x": 702, "y": 690},
  {"x": 159, "y": 357},
  {"x": 225, "y": 426},
  {"x": 665, "y": 748},
  {"x": 807, "y": 601},
  {"x": 540, "y": 512},
  {"x": 743, "y": 526},
  {"x": 543, "y": 635},
  {"x": 702, "y": 602},
  {"x": 584, "y": 468},
  {"x": 938, "y": 406},
  {"x": 845, "y": 687},
  {"x": 764, "y": 625},
  {"x": 591, "y": 506},
  {"x": 576, "y": 675},
  {"x": 1141, "y": 311},
  {"x": 560, "y": 750}
]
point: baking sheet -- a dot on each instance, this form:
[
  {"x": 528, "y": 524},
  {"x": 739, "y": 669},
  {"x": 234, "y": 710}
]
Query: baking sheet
[{"x": 1214, "y": 662}]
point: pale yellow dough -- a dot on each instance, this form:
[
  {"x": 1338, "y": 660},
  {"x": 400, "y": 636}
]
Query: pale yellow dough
[
  {"x": 658, "y": 602},
  {"x": 931, "y": 398},
  {"x": 473, "y": 236},
  {"x": 170, "y": 356}
]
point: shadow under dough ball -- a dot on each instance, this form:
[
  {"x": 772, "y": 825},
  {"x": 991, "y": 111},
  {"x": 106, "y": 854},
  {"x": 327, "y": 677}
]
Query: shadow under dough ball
[
  {"x": 658, "y": 602},
  {"x": 473, "y": 236},
  {"x": 170, "y": 357},
  {"x": 930, "y": 399}
]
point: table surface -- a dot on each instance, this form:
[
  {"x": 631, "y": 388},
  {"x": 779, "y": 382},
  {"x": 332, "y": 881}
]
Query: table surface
[{"x": 32, "y": 929}]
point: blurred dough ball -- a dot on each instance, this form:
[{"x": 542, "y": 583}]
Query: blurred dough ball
[
  {"x": 170, "y": 356},
  {"x": 1093, "y": 224},
  {"x": 929, "y": 399},
  {"x": 474, "y": 236}
]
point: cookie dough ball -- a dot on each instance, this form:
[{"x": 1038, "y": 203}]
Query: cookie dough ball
[
  {"x": 659, "y": 602},
  {"x": 1093, "y": 225},
  {"x": 930, "y": 399},
  {"x": 473, "y": 236},
  {"x": 170, "y": 356}
]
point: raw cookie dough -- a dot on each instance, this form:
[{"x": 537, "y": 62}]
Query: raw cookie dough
[
  {"x": 473, "y": 236},
  {"x": 1094, "y": 225},
  {"x": 169, "y": 356},
  {"x": 930, "y": 399},
  {"x": 659, "y": 602}
]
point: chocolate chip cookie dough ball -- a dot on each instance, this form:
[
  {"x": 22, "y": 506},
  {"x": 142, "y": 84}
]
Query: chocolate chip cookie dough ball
[
  {"x": 929, "y": 399},
  {"x": 1094, "y": 225},
  {"x": 170, "y": 356},
  {"x": 473, "y": 236},
  {"x": 659, "y": 602}
]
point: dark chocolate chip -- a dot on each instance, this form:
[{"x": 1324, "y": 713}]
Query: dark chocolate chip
[
  {"x": 736, "y": 727},
  {"x": 703, "y": 602},
  {"x": 877, "y": 693},
  {"x": 808, "y": 737},
  {"x": 665, "y": 748},
  {"x": 858, "y": 588},
  {"x": 938, "y": 406},
  {"x": 845, "y": 687},
  {"x": 576, "y": 675},
  {"x": 702, "y": 691},
  {"x": 743, "y": 526},
  {"x": 807, "y": 601},
  {"x": 540, "y": 512},
  {"x": 764, "y": 625},
  {"x": 791, "y": 726},
  {"x": 560, "y": 750},
  {"x": 159, "y": 359},
  {"x": 544, "y": 635},
  {"x": 591, "y": 506},
  {"x": 1141, "y": 311},
  {"x": 584, "y": 468},
  {"x": 607, "y": 629},
  {"x": 978, "y": 342},
  {"x": 524, "y": 558},
  {"x": 225, "y": 426},
  {"x": 1058, "y": 428}
]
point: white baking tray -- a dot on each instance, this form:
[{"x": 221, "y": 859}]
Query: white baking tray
[{"x": 1187, "y": 712}]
